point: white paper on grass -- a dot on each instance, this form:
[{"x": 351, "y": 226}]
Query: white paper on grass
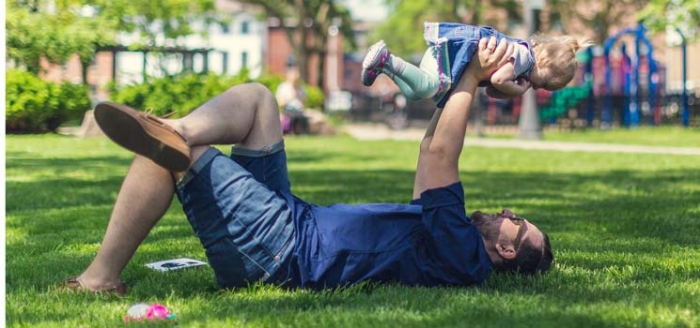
[{"x": 175, "y": 264}]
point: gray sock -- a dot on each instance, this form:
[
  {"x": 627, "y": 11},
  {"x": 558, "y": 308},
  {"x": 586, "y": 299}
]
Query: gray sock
[
  {"x": 415, "y": 82},
  {"x": 394, "y": 66}
]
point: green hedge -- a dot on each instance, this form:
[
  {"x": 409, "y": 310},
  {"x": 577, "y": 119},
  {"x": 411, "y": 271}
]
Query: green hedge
[
  {"x": 35, "y": 105},
  {"x": 180, "y": 94},
  {"x": 177, "y": 94}
]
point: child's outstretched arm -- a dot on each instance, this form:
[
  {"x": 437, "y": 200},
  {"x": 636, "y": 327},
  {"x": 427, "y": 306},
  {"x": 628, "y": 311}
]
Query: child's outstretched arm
[
  {"x": 505, "y": 85},
  {"x": 493, "y": 92}
]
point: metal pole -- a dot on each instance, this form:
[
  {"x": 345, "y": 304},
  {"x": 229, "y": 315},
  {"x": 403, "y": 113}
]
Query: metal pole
[
  {"x": 529, "y": 124},
  {"x": 590, "y": 110},
  {"x": 635, "y": 83},
  {"x": 684, "y": 98}
]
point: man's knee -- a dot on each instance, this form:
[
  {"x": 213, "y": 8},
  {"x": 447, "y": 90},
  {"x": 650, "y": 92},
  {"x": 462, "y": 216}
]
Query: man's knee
[
  {"x": 262, "y": 93},
  {"x": 267, "y": 129},
  {"x": 267, "y": 104}
]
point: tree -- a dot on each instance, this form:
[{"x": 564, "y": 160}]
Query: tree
[
  {"x": 684, "y": 14},
  {"x": 408, "y": 17},
  {"x": 33, "y": 34},
  {"x": 327, "y": 16},
  {"x": 308, "y": 29},
  {"x": 599, "y": 15},
  {"x": 55, "y": 30},
  {"x": 157, "y": 23}
]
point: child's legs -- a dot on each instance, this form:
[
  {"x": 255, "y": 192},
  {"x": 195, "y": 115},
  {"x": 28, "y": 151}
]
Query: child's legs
[
  {"x": 406, "y": 89},
  {"x": 416, "y": 83}
]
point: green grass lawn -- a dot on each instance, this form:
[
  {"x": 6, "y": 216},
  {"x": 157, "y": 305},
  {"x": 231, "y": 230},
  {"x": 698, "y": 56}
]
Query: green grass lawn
[
  {"x": 672, "y": 136},
  {"x": 666, "y": 136},
  {"x": 625, "y": 229}
]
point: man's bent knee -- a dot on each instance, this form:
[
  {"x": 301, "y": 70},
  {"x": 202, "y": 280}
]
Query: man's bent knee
[
  {"x": 267, "y": 130},
  {"x": 266, "y": 100}
]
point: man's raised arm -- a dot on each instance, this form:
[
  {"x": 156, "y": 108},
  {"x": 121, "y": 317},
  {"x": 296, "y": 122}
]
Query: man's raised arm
[{"x": 444, "y": 138}]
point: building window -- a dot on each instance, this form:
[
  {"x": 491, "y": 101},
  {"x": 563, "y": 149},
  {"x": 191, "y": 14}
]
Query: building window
[
  {"x": 244, "y": 59},
  {"x": 198, "y": 64},
  {"x": 245, "y": 27},
  {"x": 224, "y": 62},
  {"x": 225, "y": 29}
]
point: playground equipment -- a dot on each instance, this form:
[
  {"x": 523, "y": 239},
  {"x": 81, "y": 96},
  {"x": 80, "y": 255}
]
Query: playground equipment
[
  {"x": 640, "y": 76},
  {"x": 631, "y": 83},
  {"x": 564, "y": 99},
  {"x": 618, "y": 84}
]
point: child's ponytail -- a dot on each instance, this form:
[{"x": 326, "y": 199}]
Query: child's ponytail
[{"x": 578, "y": 43}]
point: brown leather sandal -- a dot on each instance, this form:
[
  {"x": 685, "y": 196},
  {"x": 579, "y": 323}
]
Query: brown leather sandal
[
  {"x": 144, "y": 134},
  {"x": 75, "y": 284}
]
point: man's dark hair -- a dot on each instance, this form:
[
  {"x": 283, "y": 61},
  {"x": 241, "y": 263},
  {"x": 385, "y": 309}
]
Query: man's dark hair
[{"x": 530, "y": 259}]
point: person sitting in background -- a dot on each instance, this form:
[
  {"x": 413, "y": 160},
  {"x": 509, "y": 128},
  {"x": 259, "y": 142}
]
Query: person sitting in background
[{"x": 291, "y": 97}]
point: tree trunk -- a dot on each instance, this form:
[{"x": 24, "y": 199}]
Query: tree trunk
[
  {"x": 34, "y": 66},
  {"x": 301, "y": 49},
  {"x": 302, "y": 55},
  {"x": 321, "y": 69},
  {"x": 84, "y": 67}
]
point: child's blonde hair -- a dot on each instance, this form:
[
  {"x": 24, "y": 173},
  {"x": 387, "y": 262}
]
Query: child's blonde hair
[{"x": 557, "y": 55}]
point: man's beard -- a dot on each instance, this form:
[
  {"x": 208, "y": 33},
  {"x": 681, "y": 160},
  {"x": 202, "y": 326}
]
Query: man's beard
[{"x": 487, "y": 225}]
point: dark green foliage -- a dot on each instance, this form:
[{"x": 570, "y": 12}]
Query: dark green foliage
[
  {"x": 675, "y": 14},
  {"x": 35, "y": 105},
  {"x": 180, "y": 94},
  {"x": 74, "y": 99},
  {"x": 314, "y": 97},
  {"x": 55, "y": 30},
  {"x": 177, "y": 94}
]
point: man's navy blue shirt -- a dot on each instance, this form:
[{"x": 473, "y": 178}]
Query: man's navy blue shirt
[{"x": 430, "y": 242}]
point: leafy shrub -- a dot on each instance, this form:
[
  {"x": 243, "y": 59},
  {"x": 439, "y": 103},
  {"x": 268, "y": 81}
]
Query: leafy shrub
[
  {"x": 314, "y": 97},
  {"x": 177, "y": 94},
  {"x": 180, "y": 94},
  {"x": 74, "y": 100},
  {"x": 36, "y": 105}
]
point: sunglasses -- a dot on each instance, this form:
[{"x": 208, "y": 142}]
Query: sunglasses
[{"x": 520, "y": 222}]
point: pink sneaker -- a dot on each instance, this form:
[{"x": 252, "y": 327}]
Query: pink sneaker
[{"x": 377, "y": 56}]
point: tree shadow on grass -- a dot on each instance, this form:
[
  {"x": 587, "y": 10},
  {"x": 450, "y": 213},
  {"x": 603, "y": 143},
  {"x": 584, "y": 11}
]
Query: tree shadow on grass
[
  {"x": 54, "y": 183},
  {"x": 637, "y": 205}
]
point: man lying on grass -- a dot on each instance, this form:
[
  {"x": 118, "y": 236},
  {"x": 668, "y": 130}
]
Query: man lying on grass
[{"x": 254, "y": 229}]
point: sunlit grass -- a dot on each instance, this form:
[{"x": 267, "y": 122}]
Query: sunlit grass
[
  {"x": 624, "y": 228},
  {"x": 667, "y": 136}
]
